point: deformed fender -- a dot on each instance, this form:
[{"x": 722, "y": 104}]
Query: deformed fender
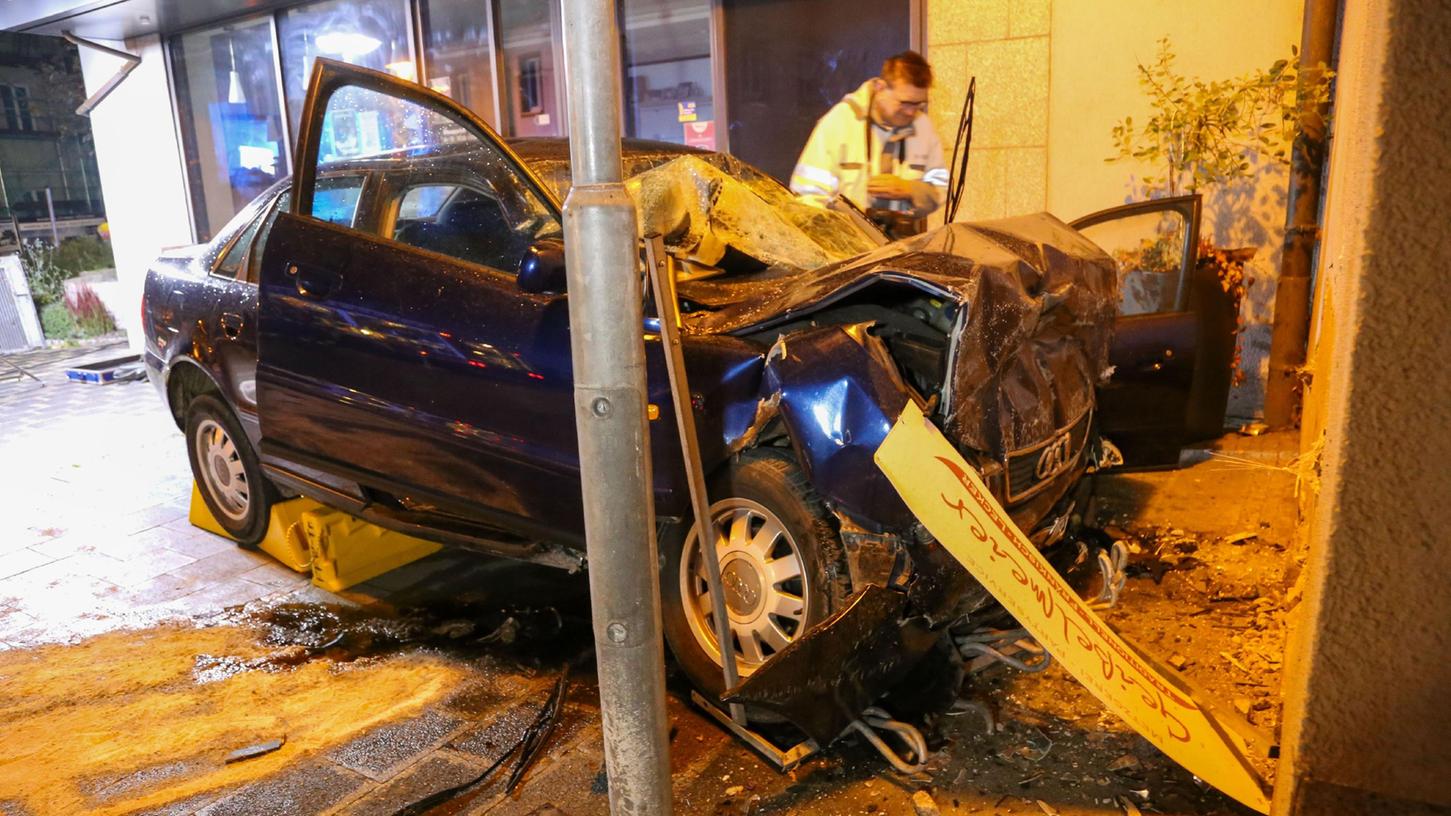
[{"x": 838, "y": 392}]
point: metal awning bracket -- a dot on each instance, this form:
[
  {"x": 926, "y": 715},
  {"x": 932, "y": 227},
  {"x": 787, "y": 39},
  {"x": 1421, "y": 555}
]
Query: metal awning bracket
[{"x": 129, "y": 63}]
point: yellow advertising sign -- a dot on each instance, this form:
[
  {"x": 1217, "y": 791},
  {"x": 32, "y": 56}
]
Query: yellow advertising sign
[{"x": 947, "y": 495}]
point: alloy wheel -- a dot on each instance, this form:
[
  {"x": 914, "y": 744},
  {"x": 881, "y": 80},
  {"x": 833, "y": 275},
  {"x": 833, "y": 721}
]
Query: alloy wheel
[
  {"x": 222, "y": 470},
  {"x": 764, "y": 578}
]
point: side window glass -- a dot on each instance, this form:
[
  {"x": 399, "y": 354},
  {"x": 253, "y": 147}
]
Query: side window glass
[
  {"x": 460, "y": 221},
  {"x": 1149, "y": 249},
  {"x": 443, "y": 187},
  {"x": 336, "y": 199},
  {"x": 230, "y": 264}
]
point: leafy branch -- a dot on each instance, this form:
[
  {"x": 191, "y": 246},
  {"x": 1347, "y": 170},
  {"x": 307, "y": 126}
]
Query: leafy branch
[{"x": 1204, "y": 133}]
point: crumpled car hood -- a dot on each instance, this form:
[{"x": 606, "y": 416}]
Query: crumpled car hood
[{"x": 1036, "y": 301}]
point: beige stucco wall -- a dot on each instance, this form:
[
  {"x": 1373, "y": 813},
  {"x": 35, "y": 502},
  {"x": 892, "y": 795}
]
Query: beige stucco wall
[
  {"x": 1055, "y": 75},
  {"x": 1368, "y": 726}
]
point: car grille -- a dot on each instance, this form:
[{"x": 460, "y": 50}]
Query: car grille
[{"x": 1033, "y": 468}]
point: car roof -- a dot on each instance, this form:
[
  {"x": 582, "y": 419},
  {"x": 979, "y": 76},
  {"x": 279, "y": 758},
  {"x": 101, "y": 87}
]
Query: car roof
[{"x": 536, "y": 149}]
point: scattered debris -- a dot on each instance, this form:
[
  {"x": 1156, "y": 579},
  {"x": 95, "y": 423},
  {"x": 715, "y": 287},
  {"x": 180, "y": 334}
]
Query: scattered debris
[
  {"x": 1178, "y": 661},
  {"x": 1241, "y": 538},
  {"x": 1127, "y": 762},
  {"x": 1046, "y": 808},
  {"x": 1130, "y": 809},
  {"x": 1253, "y": 429},
  {"x": 924, "y": 804},
  {"x": 256, "y": 750},
  {"x": 527, "y": 748},
  {"x": 735, "y": 790},
  {"x": 540, "y": 730},
  {"x": 1235, "y": 663}
]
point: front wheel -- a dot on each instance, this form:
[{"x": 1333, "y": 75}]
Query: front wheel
[
  {"x": 782, "y": 569},
  {"x": 227, "y": 471}
]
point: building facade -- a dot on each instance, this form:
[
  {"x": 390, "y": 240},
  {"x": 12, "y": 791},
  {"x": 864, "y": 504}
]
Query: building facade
[
  {"x": 47, "y": 156},
  {"x": 208, "y": 118}
]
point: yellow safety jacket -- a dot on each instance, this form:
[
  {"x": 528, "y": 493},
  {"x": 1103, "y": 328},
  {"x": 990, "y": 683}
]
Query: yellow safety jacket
[{"x": 847, "y": 148}]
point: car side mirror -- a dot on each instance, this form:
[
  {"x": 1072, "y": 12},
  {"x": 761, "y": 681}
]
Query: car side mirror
[{"x": 541, "y": 270}]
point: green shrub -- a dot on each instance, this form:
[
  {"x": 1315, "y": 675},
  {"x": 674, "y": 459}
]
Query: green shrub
[
  {"x": 91, "y": 316},
  {"x": 57, "y": 322},
  {"x": 46, "y": 280},
  {"x": 83, "y": 254}
]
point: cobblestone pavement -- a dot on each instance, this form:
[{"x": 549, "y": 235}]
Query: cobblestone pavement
[{"x": 136, "y": 651}]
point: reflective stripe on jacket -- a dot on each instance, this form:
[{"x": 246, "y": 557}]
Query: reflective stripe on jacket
[{"x": 838, "y": 160}]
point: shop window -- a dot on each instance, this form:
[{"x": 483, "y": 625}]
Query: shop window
[
  {"x": 230, "y": 116},
  {"x": 669, "y": 92},
  {"x": 459, "y": 55},
  {"x": 375, "y": 34}
]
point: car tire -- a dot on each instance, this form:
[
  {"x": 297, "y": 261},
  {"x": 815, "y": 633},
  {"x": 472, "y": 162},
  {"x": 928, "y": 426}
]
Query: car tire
[
  {"x": 764, "y": 486},
  {"x": 227, "y": 471}
]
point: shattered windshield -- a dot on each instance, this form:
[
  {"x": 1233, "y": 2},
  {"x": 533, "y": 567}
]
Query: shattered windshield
[{"x": 716, "y": 211}]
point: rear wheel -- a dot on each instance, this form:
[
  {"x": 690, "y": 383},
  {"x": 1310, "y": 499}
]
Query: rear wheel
[
  {"x": 781, "y": 566},
  {"x": 227, "y": 471}
]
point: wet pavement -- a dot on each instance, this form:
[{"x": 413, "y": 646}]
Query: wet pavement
[{"x": 138, "y": 652}]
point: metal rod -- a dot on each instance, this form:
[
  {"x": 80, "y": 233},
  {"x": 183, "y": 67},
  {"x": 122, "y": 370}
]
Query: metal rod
[
  {"x": 1290, "y": 334},
  {"x": 50, "y": 209},
  {"x": 131, "y": 61},
  {"x": 606, "y": 339},
  {"x": 667, "y": 306}
]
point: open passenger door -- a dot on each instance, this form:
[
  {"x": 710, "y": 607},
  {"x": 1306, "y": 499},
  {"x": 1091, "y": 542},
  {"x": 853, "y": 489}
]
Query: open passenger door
[{"x": 1173, "y": 346}]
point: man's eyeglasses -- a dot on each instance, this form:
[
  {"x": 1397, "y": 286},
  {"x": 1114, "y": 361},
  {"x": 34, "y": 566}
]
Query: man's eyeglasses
[{"x": 918, "y": 105}]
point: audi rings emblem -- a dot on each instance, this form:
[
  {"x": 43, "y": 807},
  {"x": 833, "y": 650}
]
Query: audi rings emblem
[{"x": 1055, "y": 458}]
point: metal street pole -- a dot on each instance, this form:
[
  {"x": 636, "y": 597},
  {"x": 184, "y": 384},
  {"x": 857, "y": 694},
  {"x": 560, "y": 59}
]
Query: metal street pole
[
  {"x": 606, "y": 338},
  {"x": 1290, "y": 335}
]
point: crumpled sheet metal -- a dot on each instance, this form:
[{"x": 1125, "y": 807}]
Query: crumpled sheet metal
[
  {"x": 716, "y": 211},
  {"x": 1040, "y": 302},
  {"x": 869, "y": 646}
]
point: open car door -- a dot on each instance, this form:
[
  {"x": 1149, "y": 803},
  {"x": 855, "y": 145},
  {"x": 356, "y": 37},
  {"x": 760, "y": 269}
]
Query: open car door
[
  {"x": 400, "y": 360},
  {"x": 1173, "y": 347}
]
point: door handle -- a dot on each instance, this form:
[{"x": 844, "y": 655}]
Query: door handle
[
  {"x": 231, "y": 324},
  {"x": 313, "y": 281}
]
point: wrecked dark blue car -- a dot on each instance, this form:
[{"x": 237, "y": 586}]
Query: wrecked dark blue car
[{"x": 390, "y": 337}]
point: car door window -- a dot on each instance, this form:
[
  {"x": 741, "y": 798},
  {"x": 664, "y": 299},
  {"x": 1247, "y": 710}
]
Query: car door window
[
  {"x": 335, "y": 199},
  {"x": 1155, "y": 245},
  {"x": 442, "y": 187},
  {"x": 460, "y": 221},
  {"x": 232, "y": 261}
]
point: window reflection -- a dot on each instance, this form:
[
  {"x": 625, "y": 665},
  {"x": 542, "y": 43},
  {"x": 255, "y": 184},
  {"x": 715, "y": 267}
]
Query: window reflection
[
  {"x": 458, "y": 55},
  {"x": 440, "y": 187},
  {"x": 370, "y": 33},
  {"x": 231, "y": 121},
  {"x": 534, "y": 100},
  {"x": 668, "y": 89}
]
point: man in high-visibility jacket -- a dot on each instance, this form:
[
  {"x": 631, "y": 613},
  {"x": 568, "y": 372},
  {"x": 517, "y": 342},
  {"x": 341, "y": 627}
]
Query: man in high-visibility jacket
[{"x": 876, "y": 147}]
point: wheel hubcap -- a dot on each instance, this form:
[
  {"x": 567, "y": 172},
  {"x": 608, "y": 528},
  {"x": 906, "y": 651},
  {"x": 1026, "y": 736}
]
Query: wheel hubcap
[
  {"x": 763, "y": 578},
  {"x": 223, "y": 475}
]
